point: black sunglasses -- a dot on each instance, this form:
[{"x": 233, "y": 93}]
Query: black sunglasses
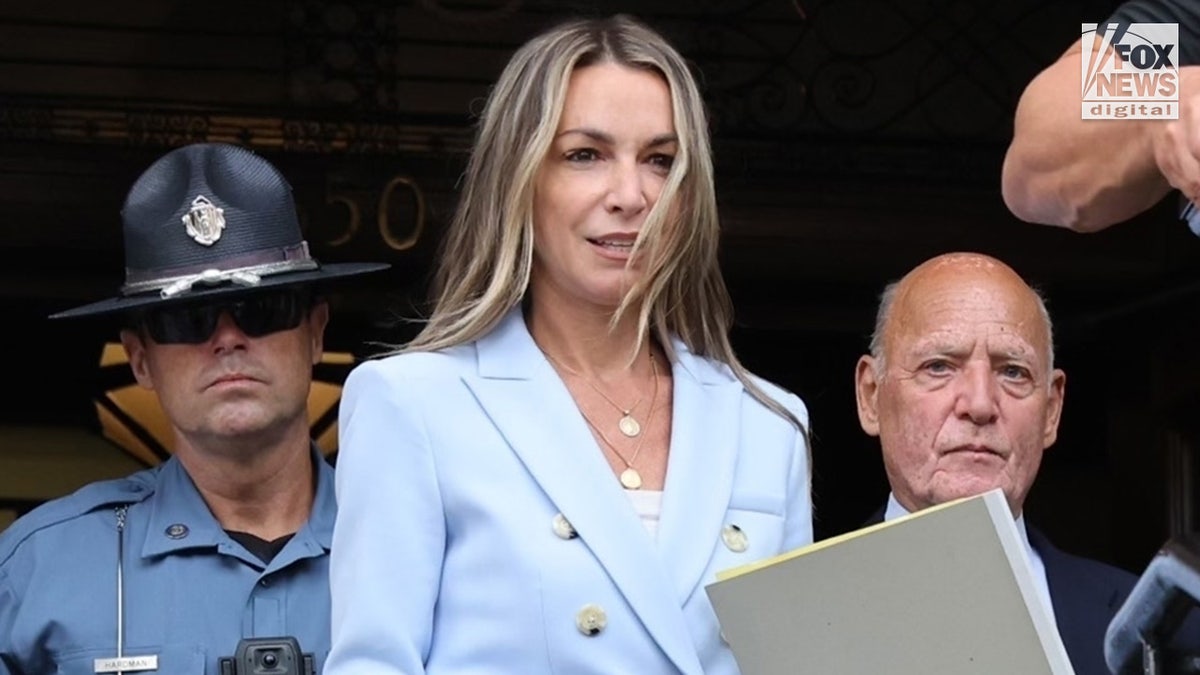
[{"x": 256, "y": 315}]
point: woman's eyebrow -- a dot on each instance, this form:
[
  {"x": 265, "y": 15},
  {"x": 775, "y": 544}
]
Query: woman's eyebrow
[{"x": 594, "y": 134}]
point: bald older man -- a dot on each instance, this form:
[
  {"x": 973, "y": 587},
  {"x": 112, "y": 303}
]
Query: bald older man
[{"x": 961, "y": 389}]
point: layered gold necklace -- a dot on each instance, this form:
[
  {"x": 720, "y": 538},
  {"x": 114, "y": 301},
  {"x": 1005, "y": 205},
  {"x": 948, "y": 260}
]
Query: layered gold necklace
[{"x": 628, "y": 424}]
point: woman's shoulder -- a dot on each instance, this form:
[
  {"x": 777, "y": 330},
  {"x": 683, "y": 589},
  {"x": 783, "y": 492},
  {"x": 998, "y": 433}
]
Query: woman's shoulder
[
  {"x": 775, "y": 392},
  {"x": 781, "y": 395},
  {"x": 418, "y": 365}
]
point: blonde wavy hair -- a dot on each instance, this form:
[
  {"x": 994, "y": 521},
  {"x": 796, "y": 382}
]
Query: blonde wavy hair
[{"x": 487, "y": 255}]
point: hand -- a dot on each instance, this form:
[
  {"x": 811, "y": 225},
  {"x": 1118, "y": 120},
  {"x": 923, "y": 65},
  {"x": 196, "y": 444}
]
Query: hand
[{"x": 1177, "y": 145}]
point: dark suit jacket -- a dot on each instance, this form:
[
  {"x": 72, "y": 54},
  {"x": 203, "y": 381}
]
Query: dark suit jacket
[{"x": 1085, "y": 594}]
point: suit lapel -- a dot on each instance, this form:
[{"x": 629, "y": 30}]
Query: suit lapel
[
  {"x": 704, "y": 444},
  {"x": 1083, "y": 605},
  {"x": 528, "y": 403}
]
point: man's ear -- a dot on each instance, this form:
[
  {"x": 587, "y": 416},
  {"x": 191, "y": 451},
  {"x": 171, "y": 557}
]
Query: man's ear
[
  {"x": 1054, "y": 406},
  {"x": 318, "y": 318},
  {"x": 866, "y": 391},
  {"x": 135, "y": 349}
]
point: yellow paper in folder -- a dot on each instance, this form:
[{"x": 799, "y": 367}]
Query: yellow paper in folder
[{"x": 945, "y": 590}]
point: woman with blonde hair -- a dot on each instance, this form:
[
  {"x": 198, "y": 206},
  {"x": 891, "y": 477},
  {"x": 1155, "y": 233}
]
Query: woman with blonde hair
[{"x": 546, "y": 478}]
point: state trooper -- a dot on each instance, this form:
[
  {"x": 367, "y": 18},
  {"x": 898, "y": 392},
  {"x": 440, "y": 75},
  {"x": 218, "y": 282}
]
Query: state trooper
[{"x": 223, "y": 550}]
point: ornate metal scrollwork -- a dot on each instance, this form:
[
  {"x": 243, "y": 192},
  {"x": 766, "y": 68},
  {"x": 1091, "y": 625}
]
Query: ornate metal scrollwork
[{"x": 166, "y": 129}]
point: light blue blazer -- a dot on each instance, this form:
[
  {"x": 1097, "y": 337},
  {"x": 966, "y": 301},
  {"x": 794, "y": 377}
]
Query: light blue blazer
[{"x": 451, "y": 471}]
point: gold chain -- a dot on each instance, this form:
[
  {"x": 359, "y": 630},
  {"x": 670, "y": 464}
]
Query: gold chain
[
  {"x": 637, "y": 449},
  {"x": 629, "y": 478},
  {"x": 625, "y": 412}
]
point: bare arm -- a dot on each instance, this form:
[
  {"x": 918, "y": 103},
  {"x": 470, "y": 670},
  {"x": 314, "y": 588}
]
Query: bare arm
[{"x": 1089, "y": 174}]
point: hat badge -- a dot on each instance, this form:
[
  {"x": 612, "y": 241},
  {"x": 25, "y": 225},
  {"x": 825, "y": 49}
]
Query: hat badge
[{"x": 204, "y": 221}]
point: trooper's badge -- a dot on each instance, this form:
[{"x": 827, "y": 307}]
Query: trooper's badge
[{"x": 204, "y": 221}]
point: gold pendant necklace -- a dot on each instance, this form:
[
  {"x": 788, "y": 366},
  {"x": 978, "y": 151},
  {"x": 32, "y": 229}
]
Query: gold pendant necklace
[
  {"x": 628, "y": 424},
  {"x": 630, "y": 478}
]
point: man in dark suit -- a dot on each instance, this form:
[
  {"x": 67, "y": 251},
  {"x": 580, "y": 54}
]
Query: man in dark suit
[{"x": 961, "y": 389}]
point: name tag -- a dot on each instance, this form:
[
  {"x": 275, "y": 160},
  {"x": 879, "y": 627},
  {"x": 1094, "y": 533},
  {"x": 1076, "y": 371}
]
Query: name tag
[{"x": 125, "y": 664}]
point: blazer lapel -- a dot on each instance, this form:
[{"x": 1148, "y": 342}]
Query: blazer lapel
[
  {"x": 705, "y": 435},
  {"x": 528, "y": 403}
]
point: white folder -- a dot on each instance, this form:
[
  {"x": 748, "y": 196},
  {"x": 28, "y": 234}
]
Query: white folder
[{"x": 947, "y": 590}]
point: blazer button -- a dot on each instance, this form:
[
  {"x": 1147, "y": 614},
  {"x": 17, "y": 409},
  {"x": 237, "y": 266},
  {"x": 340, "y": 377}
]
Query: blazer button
[
  {"x": 563, "y": 528},
  {"x": 591, "y": 619},
  {"x": 734, "y": 538}
]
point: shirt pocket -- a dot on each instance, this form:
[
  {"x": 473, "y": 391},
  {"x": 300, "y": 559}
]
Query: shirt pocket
[{"x": 174, "y": 659}]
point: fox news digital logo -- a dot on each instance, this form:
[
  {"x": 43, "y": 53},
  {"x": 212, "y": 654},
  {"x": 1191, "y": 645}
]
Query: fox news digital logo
[{"x": 1130, "y": 72}]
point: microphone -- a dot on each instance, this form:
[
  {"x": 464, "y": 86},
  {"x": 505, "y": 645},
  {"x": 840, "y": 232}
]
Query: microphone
[{"x": 1154, "y": 610}]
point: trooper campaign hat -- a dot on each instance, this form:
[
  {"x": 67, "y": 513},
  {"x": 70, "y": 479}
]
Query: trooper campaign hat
[{"x": 207, "y": 220}]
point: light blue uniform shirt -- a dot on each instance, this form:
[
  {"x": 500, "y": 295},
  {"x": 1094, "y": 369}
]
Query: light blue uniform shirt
[{"x": 191, "y": 592}]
